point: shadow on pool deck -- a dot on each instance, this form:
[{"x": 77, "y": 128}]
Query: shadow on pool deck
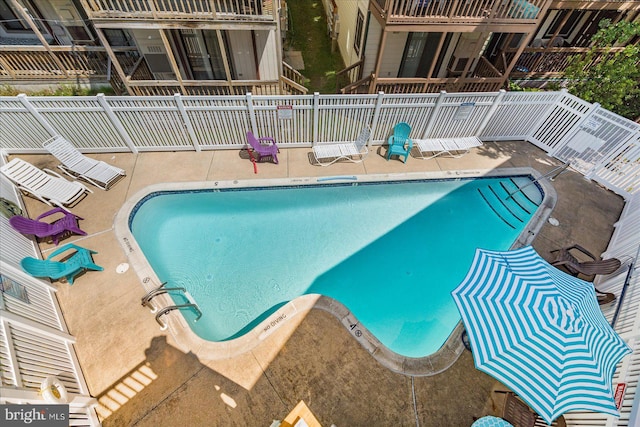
[{"x": 140, "y": 376}]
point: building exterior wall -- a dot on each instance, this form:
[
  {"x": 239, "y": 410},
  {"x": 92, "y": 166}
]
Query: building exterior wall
[{"x": 392, "y": 55}]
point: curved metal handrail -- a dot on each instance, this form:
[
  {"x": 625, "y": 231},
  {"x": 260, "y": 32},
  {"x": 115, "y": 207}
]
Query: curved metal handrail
[{"x": 165, "y": 310}]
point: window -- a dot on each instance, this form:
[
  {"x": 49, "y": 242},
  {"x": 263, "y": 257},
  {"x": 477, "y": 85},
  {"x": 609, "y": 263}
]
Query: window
[
  {"x": 8, "y": 19},
  {"x": 357, "y": 39},
  {"x": 569, "y": 25}
]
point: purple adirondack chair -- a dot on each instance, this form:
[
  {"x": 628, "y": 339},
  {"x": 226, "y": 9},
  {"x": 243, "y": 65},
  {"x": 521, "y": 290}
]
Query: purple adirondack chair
[
  {"x": 56, "y": 229},
  {"x": 263, "y": 150}
]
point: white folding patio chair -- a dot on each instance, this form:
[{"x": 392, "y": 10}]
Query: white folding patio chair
[
  {"x": 352, "y": 151},
  {"x": 77, "y": 165},
  {"x": 44, "y": 184},
  {"x": 452, "y": 147}
]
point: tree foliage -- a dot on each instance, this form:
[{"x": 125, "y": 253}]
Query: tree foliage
[{"x": 610, "y": 78}]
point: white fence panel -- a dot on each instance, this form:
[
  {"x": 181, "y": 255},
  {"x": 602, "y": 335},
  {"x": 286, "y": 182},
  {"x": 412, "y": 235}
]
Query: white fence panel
[
  {"x": 624, "y": 245},
  {"x": 81, "y": 120},
  {"x": 39, "y": 305},
  {"x": 34, "y": 342},
  {"x": 341, "y": 118},
  {"x": 15, "y": 246},
  {"x": 271, "y": 114},
  {"x": 152, "y": 123},
  {"x": 19, "y": 129},
  {"x": 40, "y": 356},
  {"x": 594, "y": 139},
  {"x": 459, "y": 115},
  {"x": 519, "y": 114},
  {"x": 620, "y": 171},
  {"x": 566, "y": 113},
  {"x": 414, "y": 109},
  {"x": 218, "y": 121},
  {"x": 600, "y": 144},
  {"x": 7, "y": 376}
]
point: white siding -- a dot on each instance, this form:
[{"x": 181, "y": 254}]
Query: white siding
[
  {"x": 371, "y": 46},
  {"x": 243, "y": 57},
  {"x": 348, "y": 13},
  {"x": 393, "y": 51},
  {"x": 267, "y": 49}
]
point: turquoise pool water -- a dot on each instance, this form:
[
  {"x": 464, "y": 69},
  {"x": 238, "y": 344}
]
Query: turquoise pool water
[{"x": 390, "y": 252}]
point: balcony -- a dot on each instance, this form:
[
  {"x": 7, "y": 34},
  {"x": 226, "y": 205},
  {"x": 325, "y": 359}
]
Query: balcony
[
  {"x": 191, "y": 10},
  {"x": 484, "y": 78},
  {"x": 460, "y": 11},
  {"x": 547, "y": 62}
]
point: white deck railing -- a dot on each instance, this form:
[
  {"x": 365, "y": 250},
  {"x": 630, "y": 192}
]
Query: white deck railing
[{"x": 599, "y": 144}]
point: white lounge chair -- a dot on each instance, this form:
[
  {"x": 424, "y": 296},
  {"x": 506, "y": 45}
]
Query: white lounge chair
[
  {"x": 77, "y": 165},
  {"x": 352, "y": 151},
  {"x": 44, "y": 184},
  {"x": 453, "y": 147}
]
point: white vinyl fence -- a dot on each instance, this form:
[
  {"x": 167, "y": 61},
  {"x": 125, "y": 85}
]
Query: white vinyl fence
[
  {"x": 603, "y": 146},
  {"x": 34, "y": 341},
  {"x": 599, "y": 144}
]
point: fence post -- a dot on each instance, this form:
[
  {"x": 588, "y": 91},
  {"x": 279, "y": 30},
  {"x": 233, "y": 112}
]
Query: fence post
[
  {"x": 43, "y": 122},
  {"x": 316, "y": 113},
  {"x": 116, "y": 123},
  {"x": 432, "y": 117},
  {"x": 252, "y": 114},
  {"x": 192, "y": 133},
  {"x": 376, "y": 116},
  {"x": 491, "y": 112}
]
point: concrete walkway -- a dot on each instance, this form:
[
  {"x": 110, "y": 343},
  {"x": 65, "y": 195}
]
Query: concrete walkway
[{"x": 140, "y": 376}]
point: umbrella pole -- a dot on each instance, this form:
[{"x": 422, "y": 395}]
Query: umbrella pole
[{"x": 624, "y": 288}]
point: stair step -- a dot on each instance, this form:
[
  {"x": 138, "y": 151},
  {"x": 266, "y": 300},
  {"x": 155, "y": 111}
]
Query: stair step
[
  {"x": 524, "y": 191},
  {"x": 514, "y": 194},
  {"x": 484, "y": 197}
]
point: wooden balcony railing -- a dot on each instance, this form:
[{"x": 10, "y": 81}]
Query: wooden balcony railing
[
  {"x": 205, "y": 87},
  {"x": 35, "y": 62},
  {"x": 547, "y": 62},
  {"x": 424, "y": 85},
  {"x": 292, "y": 74},
  {"x": 461, "y": 11},
  {"x": 349, "y": 75},
  {"x": 181, "y": 9}
]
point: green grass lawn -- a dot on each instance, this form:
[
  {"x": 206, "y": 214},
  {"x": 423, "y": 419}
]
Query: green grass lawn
[{"x": 308, "y": 34}]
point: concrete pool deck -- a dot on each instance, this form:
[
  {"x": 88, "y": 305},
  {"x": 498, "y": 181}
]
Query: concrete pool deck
[{"x": 140, "y": 375}]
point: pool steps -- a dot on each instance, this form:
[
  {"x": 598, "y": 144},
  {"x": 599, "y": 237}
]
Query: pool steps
[{"x": 509, "y": 201}]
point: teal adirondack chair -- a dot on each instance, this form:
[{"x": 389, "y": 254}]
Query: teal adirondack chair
[
  {"x": 399, "y": 143},
  {"x": 80, "y": 261}
]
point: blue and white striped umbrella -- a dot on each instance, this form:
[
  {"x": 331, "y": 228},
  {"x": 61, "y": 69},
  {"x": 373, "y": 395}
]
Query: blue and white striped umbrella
[{"x": 540, "y": 332}]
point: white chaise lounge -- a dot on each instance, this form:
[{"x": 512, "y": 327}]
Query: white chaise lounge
[
  {"x": 77, "y": 165},
  {"x": 453, "y": 147},
  {"x": 327, "y": 154},
  {"x": 44, "y": 185}
]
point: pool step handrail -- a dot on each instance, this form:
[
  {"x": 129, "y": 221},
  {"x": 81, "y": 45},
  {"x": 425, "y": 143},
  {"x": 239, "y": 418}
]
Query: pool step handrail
[
  {"x": 145, "y": 300},
  {"x": 165, "y": 310},
  {"x": 552, "y": 175}
]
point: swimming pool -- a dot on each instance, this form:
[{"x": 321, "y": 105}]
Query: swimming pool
[{"x": 390, "y": 252}]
